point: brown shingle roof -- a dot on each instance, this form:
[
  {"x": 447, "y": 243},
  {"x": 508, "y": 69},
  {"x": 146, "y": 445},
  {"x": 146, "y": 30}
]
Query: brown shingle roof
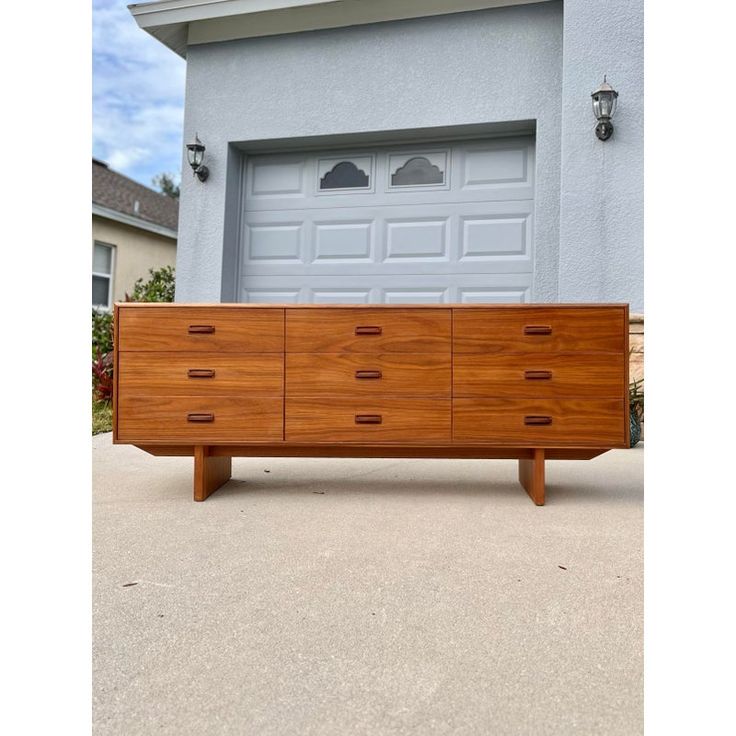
[{"x": 117, "y": 192}]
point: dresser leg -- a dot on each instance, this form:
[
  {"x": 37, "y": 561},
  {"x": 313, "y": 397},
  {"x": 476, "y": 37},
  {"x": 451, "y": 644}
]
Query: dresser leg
[
  {"x": 209, "y": 472},
  {"x": 531, "y": 476}
]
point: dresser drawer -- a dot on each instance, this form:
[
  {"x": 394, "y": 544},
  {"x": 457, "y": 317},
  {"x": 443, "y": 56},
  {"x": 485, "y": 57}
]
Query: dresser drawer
[
  {"x": 540, "y": 422},
  {"x": 368, "y": 420},
  {"x": 547, "y": 376},
  {"x": 368, "y": 374},
  {"x": 368, "y": 330},
  {"x": 539, "y": 330},
  {"x": 206, "y": 329},
  {"x": 199, "y": 419},
  {"x": 201, "y": 374}
]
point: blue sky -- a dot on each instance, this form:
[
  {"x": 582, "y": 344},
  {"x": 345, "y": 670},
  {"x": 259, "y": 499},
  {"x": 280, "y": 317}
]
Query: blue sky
[{"x": 138, "y": 96}]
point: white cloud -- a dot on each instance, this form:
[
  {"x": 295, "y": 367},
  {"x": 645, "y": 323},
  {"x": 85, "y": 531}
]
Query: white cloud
[
  {"x": 124, "y": 160},
  {"x": 138, "y": 96}
]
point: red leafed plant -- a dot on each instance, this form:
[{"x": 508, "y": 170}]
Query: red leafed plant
[{"x": 102, "y": 375}]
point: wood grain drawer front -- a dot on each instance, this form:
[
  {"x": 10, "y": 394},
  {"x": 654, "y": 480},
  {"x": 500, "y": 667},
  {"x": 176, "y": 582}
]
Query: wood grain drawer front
[
  {"x": 199, "y": 419},
  {"x": 539, "y": 329},
  {"x": 368, "y": 330},
  {"x": 540, "y": 422},
  {"x": 419, "y": 421},
  {"x": 359, "y": 374},
  {"x": 552, "y": 375},
  {"x": 201, "y": 374},
  {"x": 206, "y": 329}
]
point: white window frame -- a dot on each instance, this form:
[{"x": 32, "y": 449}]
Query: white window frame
[{"x": 107, "y": 307}]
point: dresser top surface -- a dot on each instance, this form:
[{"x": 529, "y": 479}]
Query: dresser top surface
[{"x": 219, "y": 305}]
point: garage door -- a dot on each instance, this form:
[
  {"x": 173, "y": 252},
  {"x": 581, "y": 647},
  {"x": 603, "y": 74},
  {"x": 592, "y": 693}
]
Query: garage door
[{"x": 431, "y": 224}]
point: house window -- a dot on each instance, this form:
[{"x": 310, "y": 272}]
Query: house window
[{"x": 102, "y": 263}]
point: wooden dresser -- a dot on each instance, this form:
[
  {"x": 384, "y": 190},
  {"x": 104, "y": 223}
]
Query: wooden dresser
[{"x": 530, "y": 382}]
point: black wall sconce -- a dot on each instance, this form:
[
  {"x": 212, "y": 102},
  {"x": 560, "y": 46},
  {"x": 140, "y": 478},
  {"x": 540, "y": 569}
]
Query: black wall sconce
[
  {"x": 195, "y": 155},
  {"x": 604, "y": 105}
]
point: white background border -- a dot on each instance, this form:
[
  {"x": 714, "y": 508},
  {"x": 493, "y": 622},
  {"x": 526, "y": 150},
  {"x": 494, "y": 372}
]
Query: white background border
[{"x": 690, "y": 498}]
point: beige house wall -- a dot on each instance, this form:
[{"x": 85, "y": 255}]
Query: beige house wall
[{"x": 136, "y": 251}]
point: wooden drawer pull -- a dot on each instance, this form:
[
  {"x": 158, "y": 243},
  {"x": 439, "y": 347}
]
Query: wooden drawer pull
[
  {"x": 537, "y": 375},
  {"x": 367, "y": 374},
  {"x": 537, "y": 330},
  {"x": 368, "y": 419},
  {"x": 200, "y": 373},
  {"x": 200, "y": 417},
  {"x": 368, "y": 330},
  {"x": 201, "y": 329},
  {"x": 537, "y": 420}
]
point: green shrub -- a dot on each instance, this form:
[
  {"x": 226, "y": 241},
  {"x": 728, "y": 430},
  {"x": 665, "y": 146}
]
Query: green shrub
[
  {"x": 101, "y": 331},
  {"x": 102, "y": 341},
  {"x": 158, "y": 288},
  {"x": 636, "y": 398}
]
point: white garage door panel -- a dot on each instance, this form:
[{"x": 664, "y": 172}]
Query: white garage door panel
[
  {"x": 441, "y": 223},
  {"x": 392, "y": 290},
  {"x": 492, "y": 237}
]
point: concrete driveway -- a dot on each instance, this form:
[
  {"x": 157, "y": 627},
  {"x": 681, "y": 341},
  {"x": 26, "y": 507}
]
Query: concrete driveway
[{"x": 367, "y": 597}]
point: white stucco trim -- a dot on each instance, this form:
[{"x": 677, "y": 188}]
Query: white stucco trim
[
  {"x": 177, "y": 11},
  {"x": 178, "y": 23},
  {"x": 121, "y": 217}
]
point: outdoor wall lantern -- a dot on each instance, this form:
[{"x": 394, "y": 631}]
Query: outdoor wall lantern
[
  {"x": 604, "y": 105},
  {"x": 195, "y": 155}
]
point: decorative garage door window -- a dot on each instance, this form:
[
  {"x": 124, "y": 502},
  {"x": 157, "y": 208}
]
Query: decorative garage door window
[
  {"x": 346, "y": 173},
  {"x": 417, "y": 169}
]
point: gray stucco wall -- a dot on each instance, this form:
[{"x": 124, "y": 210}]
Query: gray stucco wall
[
  {"x": 489, "y": 66},
  {"x": 602, "y": 193},
  {"x": 453, "y": 70}
]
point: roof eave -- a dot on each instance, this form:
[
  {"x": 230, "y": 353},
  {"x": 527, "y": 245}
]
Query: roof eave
[
  {"x": 179, "y": 23},
  {"x": 174, "y": 36},
  {"x": 132, "y": 221}
]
